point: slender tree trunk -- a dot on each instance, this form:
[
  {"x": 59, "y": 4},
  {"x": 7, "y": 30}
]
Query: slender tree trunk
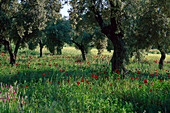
[
  {"x": 83, "y": 53},
  {"x": 163, "y": 55},
  {"x": 17, "y": 47},
  {"x": 81, "y": 47},
  {"x": 41, "y": 47},
  {"x": 12, "y": 56}
]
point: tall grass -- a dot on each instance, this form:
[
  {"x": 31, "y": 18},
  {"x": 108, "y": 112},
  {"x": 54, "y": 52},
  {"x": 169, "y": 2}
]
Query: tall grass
[{"x": 65, "y": 83}]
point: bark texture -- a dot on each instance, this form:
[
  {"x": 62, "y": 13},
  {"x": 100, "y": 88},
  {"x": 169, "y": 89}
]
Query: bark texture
[
  {"x": 83, "y": 53},
  {"x": 119, "y": 54},
  {"x": 41, "y": 47},
  {"x": 59, "y": 52},
  {"x": 163, "y": 55},
  {"x": 82, "y": 49},
  {"x": 118, "y": 58},
  {"x": 12, "y": 56}
]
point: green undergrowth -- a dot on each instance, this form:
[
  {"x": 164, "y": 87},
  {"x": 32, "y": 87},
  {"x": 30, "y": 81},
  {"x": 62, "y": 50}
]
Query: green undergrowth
[{"x": 65, "y": 83}]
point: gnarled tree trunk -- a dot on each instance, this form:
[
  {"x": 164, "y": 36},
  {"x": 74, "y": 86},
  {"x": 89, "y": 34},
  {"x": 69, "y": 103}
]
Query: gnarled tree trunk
[
  {"x": 81, "y": 47},
  {"x": 163, "y": 55},
  {"x": 12, "y": 56},
  {"x": 59, "y": 52},
  {"x": 119, "y": 55},
  {"x": 17, "y": 46}
]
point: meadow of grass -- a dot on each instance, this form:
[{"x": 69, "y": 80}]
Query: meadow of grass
[{"x": 65, "y": 83}]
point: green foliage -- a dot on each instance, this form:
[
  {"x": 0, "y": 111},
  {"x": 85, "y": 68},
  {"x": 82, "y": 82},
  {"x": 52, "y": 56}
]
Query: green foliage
[
  {"x": 57, "y": 33},
  {"x": 32, "y": 45},
  {"x": 146, "y": 25}
]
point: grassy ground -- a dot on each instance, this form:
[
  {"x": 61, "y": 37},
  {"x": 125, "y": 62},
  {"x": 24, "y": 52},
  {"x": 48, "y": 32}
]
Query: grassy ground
[{"x": 64, "y": 83}]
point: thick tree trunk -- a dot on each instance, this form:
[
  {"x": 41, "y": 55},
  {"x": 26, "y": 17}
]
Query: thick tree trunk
[
  {"x": 119, "y": 55},
  {"x": 163, "y": 55},
  {"x": 41, "y": 47},
  {"x": 12, "y": 56},
  {"x": 17, "y": 47},
  {"x": 59, "y": 52}
]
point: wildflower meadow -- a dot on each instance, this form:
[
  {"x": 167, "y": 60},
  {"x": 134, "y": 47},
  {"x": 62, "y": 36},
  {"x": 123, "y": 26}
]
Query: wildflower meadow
[{"x": 65, "y": 83}]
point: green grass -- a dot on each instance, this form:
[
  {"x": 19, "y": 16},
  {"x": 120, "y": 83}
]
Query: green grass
[{"x": 58, "y": 84}]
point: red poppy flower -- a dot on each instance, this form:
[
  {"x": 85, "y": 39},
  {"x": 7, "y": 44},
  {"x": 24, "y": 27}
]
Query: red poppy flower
[
  {"x": 43, "y": 74},
  {"x": 152, "y": 75},
  {"x": 26, "y": 85},
  {"x": 138, "y": 75},
  {"x": 132, "y": 78},
  {"x": 51, "y": 83},
  {"x": 99, "y": 72},
  {"x": 107, "y": 75},
  {"x": 156, "y": 75},
  {"x": 68, "y": 81},
  {"x": 127, "y": 93},
  {"x": 63, "y": 70},
  {"x": 111, "y": 85},
  {"x": 151, "y": 83},
  {"x": 93, "y": 75},
  {"x": 82, "y": 80},
  {"x": 145, "y": 81},
  {"x": 58, "y": 82},
  {"x": 118, "y": 77},
  {"x": 78, "y": 83},
  {"x": 150, "y": 89},
  {"x": 93, "y": 83},
  {"x": 160, "y": 80},
  {"x": 140, "y": 85},
  {"x": 87, "y": 81},
  {"x": 66, "y": 74},
  {"x": 70, "y": 75},
  {"x": 105, "y": 72},
  {"x": 118, "y": 72}
]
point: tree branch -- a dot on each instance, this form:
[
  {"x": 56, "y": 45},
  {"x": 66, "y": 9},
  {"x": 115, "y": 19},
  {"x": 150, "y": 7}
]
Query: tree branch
[
  {"x": 112, "y": 17},
  {"x": 97, "y": 14}
]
